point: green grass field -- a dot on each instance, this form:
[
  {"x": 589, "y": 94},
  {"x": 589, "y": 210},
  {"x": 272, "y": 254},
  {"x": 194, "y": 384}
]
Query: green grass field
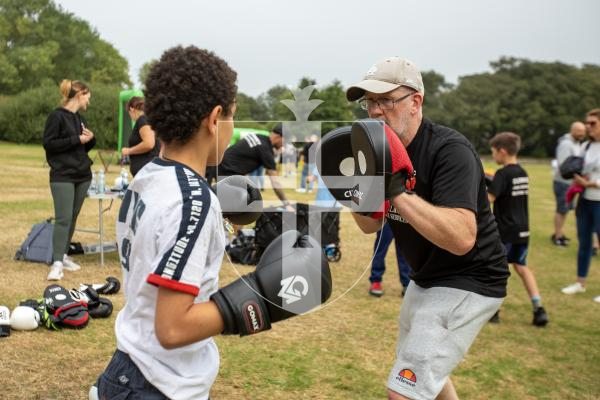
[{"x": 343, "y": 351}]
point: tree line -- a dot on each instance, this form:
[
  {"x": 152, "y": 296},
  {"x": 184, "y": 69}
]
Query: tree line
[
  {"x": 537, "y": 100},
  {"x": 41, "y": 44}
]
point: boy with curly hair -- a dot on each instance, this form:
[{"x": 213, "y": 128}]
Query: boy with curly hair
[{"x": 170, "y": 236}]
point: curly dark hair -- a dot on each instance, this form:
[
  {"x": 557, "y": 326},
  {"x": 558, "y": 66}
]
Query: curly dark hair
[{"x": 183, "y": 87}]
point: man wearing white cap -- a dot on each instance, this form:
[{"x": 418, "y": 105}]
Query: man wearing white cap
[{"x": 447, "y": 233}]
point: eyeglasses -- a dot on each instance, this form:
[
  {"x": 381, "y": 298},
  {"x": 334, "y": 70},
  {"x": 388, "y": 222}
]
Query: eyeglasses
[
  {"x": 591, "y": 123},
  {"x": 384, "y": 104}
]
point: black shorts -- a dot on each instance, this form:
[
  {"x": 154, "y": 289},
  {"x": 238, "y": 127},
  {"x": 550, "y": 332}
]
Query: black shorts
[
  {"x": 122, "y": 379},
  {"x": 516, "y": 253}
]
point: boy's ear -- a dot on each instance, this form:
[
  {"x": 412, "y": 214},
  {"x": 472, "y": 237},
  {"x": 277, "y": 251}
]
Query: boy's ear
[{"x": 212, "y": 118}]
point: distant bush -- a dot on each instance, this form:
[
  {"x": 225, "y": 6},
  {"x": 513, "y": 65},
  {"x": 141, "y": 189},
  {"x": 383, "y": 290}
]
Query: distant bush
[{"x": 23, "y": 116}]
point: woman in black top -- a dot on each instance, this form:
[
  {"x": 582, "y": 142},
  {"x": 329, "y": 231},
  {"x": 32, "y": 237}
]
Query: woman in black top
[
  {"x": 143, "y": 145},
  {"x": 67, "y": 142}
]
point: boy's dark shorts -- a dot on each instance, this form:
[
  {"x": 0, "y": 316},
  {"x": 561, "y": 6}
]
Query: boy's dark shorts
[
  {"x": 516, "y": 253},
  {"x": 123, "y": 380}
]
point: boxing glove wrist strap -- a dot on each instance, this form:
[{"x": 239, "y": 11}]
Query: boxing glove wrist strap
[{"x": 400, "y": 183}]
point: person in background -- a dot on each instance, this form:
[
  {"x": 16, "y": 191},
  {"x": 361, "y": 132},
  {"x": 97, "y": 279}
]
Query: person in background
[
  {"x": 509, "y": 192},
  {"x": 67, "y": 142},
  {"x": 258, "y": 178},
  {"x": 252, "y": 152},
  {"x": 587, "y": 213},
  {"x": 569, "y": 144},
  {"x": 305, "y": 183},
  {"x": 288, "y": 155},
  {"x": 382, "y": 243},
  {"x": 143, "y": 144}
]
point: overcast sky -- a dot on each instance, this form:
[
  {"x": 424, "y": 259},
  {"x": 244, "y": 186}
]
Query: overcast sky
[{"x": 271, "y": 42}]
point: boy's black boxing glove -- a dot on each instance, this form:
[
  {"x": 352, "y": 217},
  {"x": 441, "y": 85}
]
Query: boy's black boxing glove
[{"x": 292, "y": 277}]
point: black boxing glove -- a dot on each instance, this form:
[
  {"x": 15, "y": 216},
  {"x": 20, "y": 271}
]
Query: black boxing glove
[
  {"x": 240, "y": 200},
  {"x": 111, "y": 286},
  {"x": 98, "y": 307},
  {"x": 291, "y": 278}
]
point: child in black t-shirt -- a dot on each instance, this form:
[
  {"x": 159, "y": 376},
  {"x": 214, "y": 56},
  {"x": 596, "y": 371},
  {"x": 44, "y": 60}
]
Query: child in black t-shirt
[{"x": 509, "y": 193}]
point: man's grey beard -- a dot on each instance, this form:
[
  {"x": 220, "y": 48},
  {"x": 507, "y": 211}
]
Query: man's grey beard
[{"x": 402, "y": 126}]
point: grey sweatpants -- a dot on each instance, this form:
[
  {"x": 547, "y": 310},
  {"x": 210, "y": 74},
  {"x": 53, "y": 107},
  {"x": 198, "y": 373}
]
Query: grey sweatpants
[{"x": 68, "y": 198}]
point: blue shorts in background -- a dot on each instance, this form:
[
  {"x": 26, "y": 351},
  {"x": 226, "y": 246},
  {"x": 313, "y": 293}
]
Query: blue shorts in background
[{"x": 516, "y": 253}]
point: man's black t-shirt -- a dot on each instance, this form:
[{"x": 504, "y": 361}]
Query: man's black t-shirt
[
  {"x": 450, "y": 174},
  {"x": 246, "y": 155},
  {"x": 137, "y": 161},
  {"x": 511, "y": 189}
]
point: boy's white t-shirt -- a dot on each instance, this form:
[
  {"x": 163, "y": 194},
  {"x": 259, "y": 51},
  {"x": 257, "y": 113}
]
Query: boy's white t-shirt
[{"x": 170, "y": 234}]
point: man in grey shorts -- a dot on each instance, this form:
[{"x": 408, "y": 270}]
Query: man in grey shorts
[
  {"x": 448, "y": 235},
  {"x": 569, "y": 144}
]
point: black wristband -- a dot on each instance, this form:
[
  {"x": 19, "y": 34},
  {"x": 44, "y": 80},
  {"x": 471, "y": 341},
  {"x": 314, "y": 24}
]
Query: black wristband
[
  {"x": 397, "y": 185},
  {"x": 229, "y": 325}
]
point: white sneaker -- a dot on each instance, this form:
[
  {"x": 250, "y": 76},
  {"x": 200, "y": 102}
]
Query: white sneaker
[
  {"x": 301, "y": 190},
  {"x": 69, "y": 264},
  {"x": 597, "y": 299},
  {"x": 56, "y": 271},
  {"x": 573, "y": 289}
]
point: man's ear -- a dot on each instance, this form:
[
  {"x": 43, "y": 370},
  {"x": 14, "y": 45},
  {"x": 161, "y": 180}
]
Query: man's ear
[
  {"x": 417, "y": 102},
  {"x": 212, "y": 118}
]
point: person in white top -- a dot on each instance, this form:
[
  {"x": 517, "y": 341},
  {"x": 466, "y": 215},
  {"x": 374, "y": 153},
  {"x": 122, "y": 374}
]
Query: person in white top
[
  {"x": 588, "y": 206},
  {"x": 169, "y": 234},
  {"x": 171, "y": 244},
  {"x": 568, "y": 145}
]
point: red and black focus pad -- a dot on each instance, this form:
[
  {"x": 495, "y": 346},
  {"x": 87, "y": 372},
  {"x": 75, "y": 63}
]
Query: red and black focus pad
[
  {"x": 335, "y": 162},
  {"x": 379, "y": 153},
  {"x": 64, "y": 311}
]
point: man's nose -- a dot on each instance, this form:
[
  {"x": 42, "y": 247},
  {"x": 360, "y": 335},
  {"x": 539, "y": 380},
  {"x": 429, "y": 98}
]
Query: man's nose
[{"x": 375, "y": 112}]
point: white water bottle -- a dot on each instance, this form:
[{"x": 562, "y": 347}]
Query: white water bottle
[
  {"x": 92, "y": 188},
  {"x": 101, "y": 187},
  {"x": 4, "y": 321},
  {"x": 124, "y": 179}
]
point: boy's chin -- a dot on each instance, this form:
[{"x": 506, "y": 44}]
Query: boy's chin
[{"x": 213, "y": 163}]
